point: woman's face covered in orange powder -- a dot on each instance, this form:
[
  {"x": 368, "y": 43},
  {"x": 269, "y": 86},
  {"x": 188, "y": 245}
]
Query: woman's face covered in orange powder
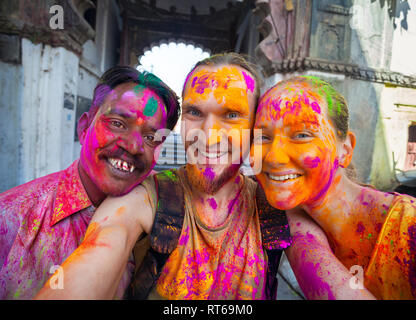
[{"x": 298, "y": 146}]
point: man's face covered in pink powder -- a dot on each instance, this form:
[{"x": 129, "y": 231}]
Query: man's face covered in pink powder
[{"x": 119, "y": 143}]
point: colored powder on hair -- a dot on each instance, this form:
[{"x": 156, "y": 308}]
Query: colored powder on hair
[
  {"x": 249, "y": 81},
  {"x": 139, "y": 88},
  {"x": 150, "y": 108}
]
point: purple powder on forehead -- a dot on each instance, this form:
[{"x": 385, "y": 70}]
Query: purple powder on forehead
[
  {"x": 193, "y": 81},
  {"x": 209, "y": 173},
  {"x": 249, "y": 81}
]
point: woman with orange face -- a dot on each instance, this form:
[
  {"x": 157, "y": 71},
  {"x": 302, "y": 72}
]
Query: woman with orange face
[{"x": 305, "y": 151}]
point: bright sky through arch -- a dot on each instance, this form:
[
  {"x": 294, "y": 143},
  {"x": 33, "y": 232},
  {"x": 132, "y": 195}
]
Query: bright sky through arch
[{"x": 172, "y": 62}]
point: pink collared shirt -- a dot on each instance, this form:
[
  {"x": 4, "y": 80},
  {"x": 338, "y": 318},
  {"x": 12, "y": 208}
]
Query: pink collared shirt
[{"x": 41, "y": 223}]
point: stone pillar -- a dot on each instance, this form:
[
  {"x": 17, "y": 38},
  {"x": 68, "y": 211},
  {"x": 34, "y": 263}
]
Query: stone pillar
[{"x": 39, "y": 76}]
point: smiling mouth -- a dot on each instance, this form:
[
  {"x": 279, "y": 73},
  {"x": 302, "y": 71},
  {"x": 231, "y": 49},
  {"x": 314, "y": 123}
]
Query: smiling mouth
[
  {"x": 121, "y": 165},
  {"x": 283, "y": 178},
  {"x": 214, "y": 155}
]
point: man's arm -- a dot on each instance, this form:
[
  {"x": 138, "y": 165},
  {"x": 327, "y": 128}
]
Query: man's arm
[
  {"x": 318, "y": 271},
  {"x": 94, "y": 269}
]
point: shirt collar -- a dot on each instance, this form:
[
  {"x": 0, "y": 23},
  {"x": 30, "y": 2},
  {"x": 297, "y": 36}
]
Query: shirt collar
[{"x": 71, "y": 196}]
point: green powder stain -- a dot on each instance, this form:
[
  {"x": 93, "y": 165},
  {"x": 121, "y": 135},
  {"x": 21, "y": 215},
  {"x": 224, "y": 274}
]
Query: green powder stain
[
  {"x": 21, "y": 262},
  {"x": 138, "y": 89},
  {"x": 17, "y": 294},
  {"x": 391, "y": 242},
  {"x": 170, "y": 175},
  {"x": 150, "y": 108},
  {"x": 369, "y": 236}
]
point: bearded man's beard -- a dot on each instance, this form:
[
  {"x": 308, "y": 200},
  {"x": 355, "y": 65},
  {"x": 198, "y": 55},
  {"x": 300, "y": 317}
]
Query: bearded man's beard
[{"x": 207, "y": 184}]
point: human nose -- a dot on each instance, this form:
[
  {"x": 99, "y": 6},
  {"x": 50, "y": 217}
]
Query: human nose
[
  {"x": 133, "y": 142},
  {"x": 211, "y": 129},
  {"x": 278, "y": 153}
]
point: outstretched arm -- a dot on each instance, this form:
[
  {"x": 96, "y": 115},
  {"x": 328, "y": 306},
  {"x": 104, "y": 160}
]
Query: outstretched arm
[
  {"x": 95, "y": 268},
  {"x": 318, "y": 271}
]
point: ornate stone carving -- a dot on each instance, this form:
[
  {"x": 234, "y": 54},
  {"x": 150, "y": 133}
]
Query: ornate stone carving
[
  {"x": 298, "y": 55},
  {"x": 30, "y": 19}
]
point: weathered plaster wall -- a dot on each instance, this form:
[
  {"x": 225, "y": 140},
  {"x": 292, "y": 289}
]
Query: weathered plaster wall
[{"x": 11, "y": 89}]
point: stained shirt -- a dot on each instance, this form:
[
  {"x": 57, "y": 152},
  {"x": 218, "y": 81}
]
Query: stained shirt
[
  {"x": 41, "y": 223},
  {"x": 391, "y": 273},
  {"x": 225, "y": 262}
]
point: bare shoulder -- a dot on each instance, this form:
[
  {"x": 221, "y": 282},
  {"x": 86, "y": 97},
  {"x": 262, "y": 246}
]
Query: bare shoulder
[{"x": 304, "y": 230}]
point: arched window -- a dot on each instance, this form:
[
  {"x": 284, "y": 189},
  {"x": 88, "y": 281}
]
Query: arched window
[{"x": 171, "y": 62}]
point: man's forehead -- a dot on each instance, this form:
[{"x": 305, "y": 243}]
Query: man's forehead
[{"x": 220, "y": 76}]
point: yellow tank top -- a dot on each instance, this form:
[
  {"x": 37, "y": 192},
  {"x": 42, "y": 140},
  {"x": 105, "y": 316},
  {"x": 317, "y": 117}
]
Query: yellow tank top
[
  {"x": 391, "y": 273},
  {"x": 226, "y": 262}
]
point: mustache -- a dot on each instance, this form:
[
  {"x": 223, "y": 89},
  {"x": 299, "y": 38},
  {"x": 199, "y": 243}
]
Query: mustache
[{"x": 120, "y": 153}]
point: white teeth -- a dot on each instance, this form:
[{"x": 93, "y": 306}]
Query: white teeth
[
  {"x": 212, "y": 155},
  {"x": 285, "y": 177},
  {"x": 121, "y": 165}
]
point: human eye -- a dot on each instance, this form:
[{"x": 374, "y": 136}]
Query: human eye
[
  {"x": 232, "y": 115},
  {"x": 116, "y": 124},
  {"x": 263, "y": 138},
  {"x": 302, "y": 136},
  {"x": 193, "y": 112}
]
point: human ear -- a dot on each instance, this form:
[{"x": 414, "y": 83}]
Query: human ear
[
  {"x": 82, "y": 127},
  {"x": 348, "y": 146}
]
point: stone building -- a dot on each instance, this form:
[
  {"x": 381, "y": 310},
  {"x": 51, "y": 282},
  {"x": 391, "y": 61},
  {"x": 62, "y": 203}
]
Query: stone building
[{"x": 364, "y": 49}]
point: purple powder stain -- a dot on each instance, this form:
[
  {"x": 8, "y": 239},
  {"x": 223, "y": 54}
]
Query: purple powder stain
[
  {"x": 315, "y": 107},
  {"x": 412, "y": 258},
  {"x": 209, "y": 173},
  {"x": 185, "y": 237},
  {"x": 249, "y": 81},
  {"x": 212, "y": 203},
  {"x": 237, "y": 180},
  {"x": 194, "y": 81},
  {"x": 360, "y": 228},
  {"x": 315, "y": 283},
  {"x": 311, "y": 163}
]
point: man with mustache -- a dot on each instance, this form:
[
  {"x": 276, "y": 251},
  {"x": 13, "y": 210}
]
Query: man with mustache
[
  {"x": 207, "y": 238},
  {"x": 43, "y": 221}
]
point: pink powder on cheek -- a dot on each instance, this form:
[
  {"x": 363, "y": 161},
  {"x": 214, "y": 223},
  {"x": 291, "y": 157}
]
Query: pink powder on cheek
[{"x": 311, "y": 163}]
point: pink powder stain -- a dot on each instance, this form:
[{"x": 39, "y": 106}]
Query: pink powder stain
[
  {"x": 237, "y": 180},
  {"x": 311, "y": 163},
  {"x": 315, "y": 107},
  {"x": 212, "y": 203},
  {"x": 249, "y": 81},
  {"x": 315, "y": 285},
  {"x": 185, "y": 237},
  {"x": 209, "y": 173}
]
